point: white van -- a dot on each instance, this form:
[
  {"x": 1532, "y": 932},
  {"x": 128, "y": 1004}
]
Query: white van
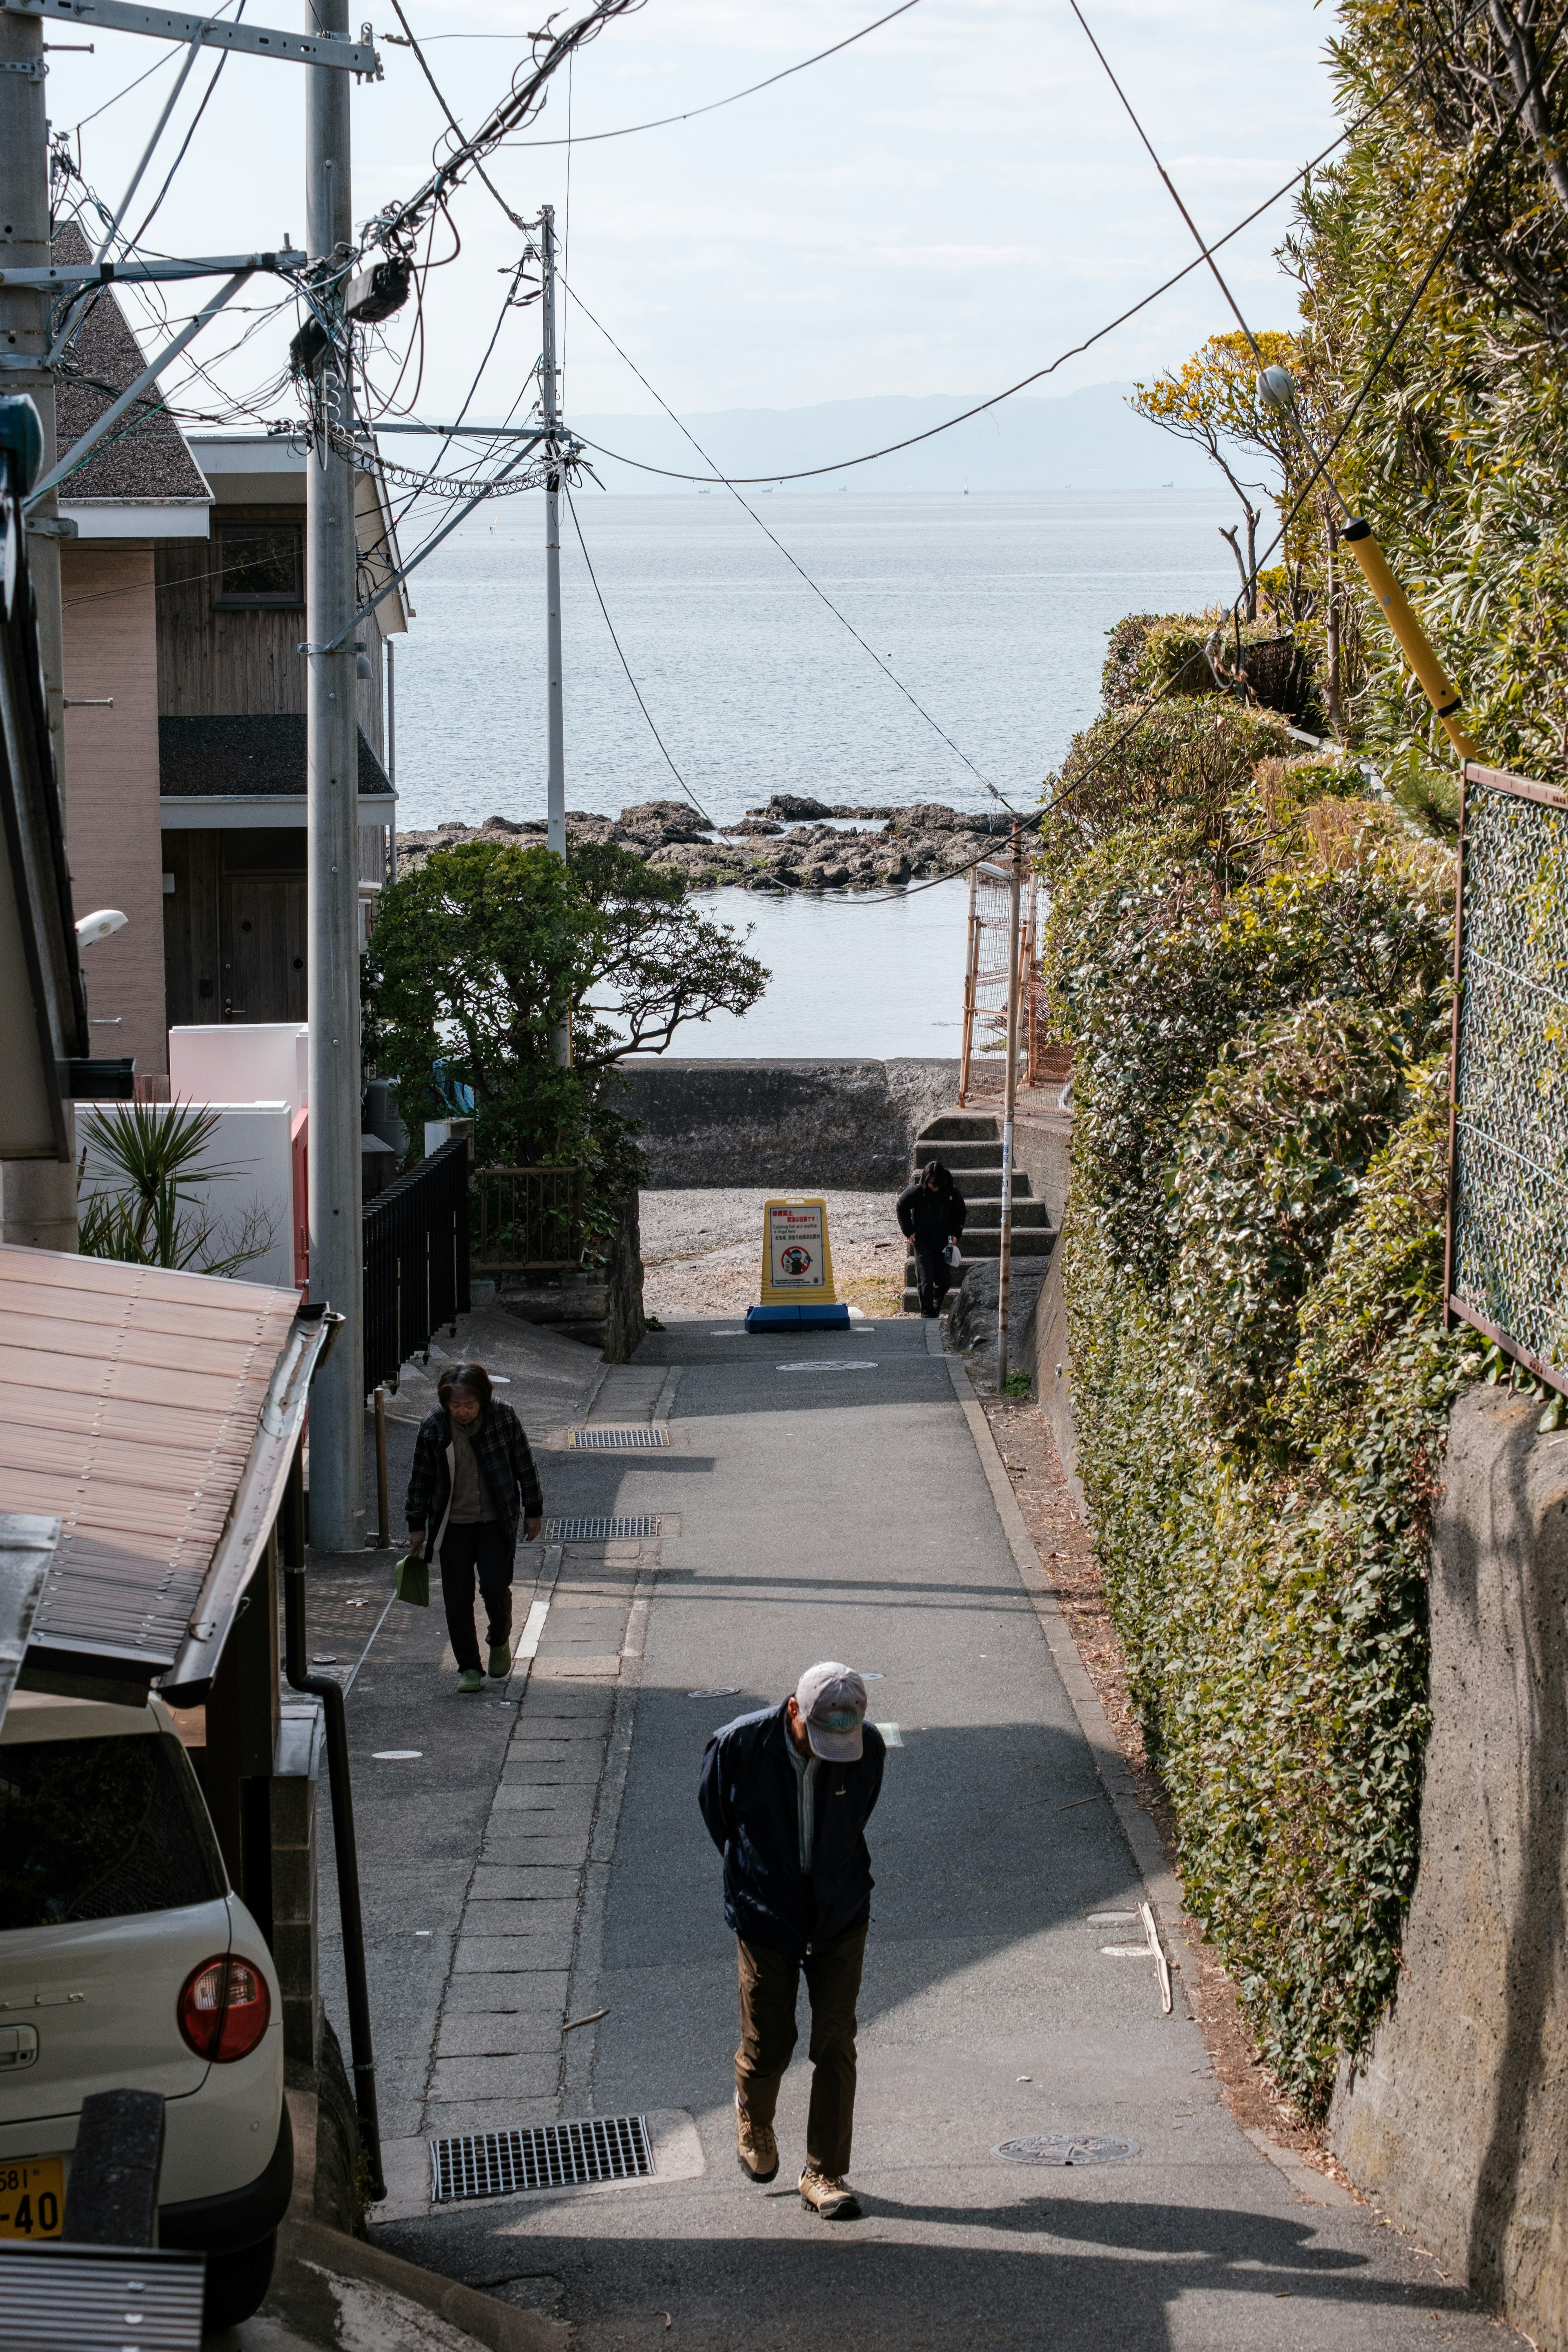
[{"x": 127, "y": 1962}]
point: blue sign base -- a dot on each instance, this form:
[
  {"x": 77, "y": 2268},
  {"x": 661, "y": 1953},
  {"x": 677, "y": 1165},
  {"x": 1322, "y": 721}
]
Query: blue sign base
[{"x": 764, "y": 1319}]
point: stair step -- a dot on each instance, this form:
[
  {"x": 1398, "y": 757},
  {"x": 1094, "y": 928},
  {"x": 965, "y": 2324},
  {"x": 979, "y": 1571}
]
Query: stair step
[
  {"x": 959, "y": 1156},
  {"x": 1036, "y": 1242},
  {"x": 985, "y": 1185},
  {"x": 958, "y": 1126}
]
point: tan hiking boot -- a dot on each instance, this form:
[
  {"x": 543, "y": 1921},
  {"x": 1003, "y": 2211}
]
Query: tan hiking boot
[
  {"x": 834, "y": 2200},
  {"x": 755, "y": 2147}
]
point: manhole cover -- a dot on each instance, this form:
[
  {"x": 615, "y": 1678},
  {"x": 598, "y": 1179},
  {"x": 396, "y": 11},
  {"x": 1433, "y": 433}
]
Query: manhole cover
[
  {"x": 1067, "y": 2147},
  {"x": 601, "y": 1438}
]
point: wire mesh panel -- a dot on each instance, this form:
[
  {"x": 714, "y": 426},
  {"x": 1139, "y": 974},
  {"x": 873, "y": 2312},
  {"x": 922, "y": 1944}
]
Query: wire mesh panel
[
  {"x": 983, "y": 1070},
  {"x": 1507, "y": 1215}
]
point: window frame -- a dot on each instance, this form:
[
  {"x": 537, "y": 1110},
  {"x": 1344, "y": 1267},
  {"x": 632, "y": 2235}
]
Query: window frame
[{"x": 266, "y": 600}]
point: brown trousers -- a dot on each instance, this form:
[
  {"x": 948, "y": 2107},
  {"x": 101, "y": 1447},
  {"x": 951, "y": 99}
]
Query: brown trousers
[{"x": 770, "y": 1982}]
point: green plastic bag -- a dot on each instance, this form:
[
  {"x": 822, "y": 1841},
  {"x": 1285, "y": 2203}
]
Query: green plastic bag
[{"x": 412, "y": 1579}]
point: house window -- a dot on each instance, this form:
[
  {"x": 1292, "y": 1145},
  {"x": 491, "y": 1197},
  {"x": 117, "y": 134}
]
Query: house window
[{"x": 259, "y": 564}]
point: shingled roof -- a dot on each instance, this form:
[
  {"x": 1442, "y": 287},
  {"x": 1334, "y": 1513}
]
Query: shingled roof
[
  {"x": 260, "y": 752},
  {"x": 144, "y": 460}
]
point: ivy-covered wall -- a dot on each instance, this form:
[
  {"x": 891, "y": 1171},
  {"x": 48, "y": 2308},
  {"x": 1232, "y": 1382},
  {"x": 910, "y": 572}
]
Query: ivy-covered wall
[{"x": 1251, "y": 959}]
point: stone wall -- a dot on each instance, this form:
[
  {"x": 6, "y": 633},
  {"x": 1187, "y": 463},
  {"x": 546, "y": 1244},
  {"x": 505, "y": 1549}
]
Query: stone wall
[
  {"x": 1458, "y": 2118},
  {"x": 790, "y": 1126}
]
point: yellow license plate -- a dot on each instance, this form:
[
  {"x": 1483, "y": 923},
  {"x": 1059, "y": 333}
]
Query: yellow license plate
[{"x": 32, "y": 2197}]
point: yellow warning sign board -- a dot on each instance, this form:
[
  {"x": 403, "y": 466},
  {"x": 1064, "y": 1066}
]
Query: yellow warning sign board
[{"x": 797, "y": 1264}]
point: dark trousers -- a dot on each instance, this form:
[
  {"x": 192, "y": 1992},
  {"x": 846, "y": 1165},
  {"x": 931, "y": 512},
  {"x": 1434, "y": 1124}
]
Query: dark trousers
[
  {"x": 486, "y": 1548},
  {"x": 769, "y": 1984},
  {"x": 935, "y": 1276}
]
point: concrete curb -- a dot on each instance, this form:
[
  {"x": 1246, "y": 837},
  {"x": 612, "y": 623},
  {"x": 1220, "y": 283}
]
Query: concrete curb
[{"x": 499, "y": 2326}]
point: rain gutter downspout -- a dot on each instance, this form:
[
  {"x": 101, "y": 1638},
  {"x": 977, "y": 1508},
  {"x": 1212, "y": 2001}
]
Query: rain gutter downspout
[{"x": 291, "y": 1528}]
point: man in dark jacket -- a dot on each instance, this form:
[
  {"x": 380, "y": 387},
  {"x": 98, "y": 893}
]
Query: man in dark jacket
[
  {"x": 931, "y": 1212},
  {"x": 787, "y": 1794},
  {"x": 473, "y": 1477}
]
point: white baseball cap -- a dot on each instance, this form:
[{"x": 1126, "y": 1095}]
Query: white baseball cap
[{"x": 832, "y": 1702}]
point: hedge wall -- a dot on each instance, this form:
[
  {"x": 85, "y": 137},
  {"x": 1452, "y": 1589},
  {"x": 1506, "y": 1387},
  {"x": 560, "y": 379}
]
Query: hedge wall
[{"x": 1254, "y": 977}]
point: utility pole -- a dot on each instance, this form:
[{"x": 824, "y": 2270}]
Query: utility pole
[
  {"x": 38, "y": 1195},
  {"x": 1010, "y": 1104},
  {"x": 555, "y": 801},
  {"x": 337, "y": 1401}
]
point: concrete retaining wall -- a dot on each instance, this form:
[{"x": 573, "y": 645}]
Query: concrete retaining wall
[
  {"x": 1457, "y": 2120},
  {"x": 797, "y": 1126}
]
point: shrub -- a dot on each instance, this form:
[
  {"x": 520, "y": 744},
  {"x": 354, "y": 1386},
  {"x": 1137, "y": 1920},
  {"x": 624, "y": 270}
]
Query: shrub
[{"x": 1252, "y": 969}]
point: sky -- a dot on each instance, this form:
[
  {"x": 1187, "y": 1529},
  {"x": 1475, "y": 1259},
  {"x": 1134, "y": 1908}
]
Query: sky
[{"x": 942, "y": 209}]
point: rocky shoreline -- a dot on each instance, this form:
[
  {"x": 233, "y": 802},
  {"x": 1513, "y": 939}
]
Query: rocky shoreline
[{"x": 790, "y": 843}]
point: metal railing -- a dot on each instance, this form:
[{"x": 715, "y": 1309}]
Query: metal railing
[
  {"x": 1507, "y": 1271},
  {"x": 982, "y": 1054},
  {"x": 415, "y": 1261},
  {"x": 526, "y": 1220}
]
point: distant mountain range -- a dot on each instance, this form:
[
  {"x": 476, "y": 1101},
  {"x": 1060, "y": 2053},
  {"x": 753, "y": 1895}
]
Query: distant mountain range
[{"x": 1081, "y": 440}]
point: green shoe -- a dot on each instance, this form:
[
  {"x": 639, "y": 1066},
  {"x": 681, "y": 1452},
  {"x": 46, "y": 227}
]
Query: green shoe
[
  {"x": 501, "y": 1660},
  {"x": 469, "y": 1680}
]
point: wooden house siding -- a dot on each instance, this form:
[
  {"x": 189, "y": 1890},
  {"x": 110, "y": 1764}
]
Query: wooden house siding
[{"x": 111, "y": 786}]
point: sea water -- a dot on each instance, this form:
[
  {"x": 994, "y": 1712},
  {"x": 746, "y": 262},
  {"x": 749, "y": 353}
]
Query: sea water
[{"x": 990, "y": 613}]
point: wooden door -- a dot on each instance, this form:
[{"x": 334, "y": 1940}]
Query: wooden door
[{"x": 263, "y": 948}]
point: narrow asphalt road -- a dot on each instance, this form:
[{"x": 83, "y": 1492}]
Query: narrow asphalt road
[{"x": 542, "y": 1858}]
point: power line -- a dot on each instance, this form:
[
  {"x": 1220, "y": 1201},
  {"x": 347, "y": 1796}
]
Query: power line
[
  {"x": 590, "y": 138},
  {"x": 642, "y": 706},
  {"x": 844, "y": 465},
  {"x": 1075, "y": 351},
  {"x": 841, "y": 617}
]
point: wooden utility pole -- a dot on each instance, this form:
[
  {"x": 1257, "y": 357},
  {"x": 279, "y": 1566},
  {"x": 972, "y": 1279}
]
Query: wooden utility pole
[{"x": 1010, "y": 1104}]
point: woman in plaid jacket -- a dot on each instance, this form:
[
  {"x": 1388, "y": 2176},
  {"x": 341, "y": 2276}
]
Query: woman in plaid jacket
[{"x": 473, "y": 1478}]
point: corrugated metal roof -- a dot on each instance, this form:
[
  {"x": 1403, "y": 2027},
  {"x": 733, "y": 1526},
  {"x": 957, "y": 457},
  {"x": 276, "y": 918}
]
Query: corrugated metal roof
[{"x": 131, "y": 1408}]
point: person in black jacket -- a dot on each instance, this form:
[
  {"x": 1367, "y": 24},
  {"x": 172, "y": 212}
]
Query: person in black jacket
[
  {"x": 931, "y": 1212},
  {"x": 787, "y": 1794},
  {"x": 473, "y": 1477}
]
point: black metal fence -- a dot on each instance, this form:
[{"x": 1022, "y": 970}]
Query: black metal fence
[
  {"x": 1508, "y": 1162},
  {"x": 415, "y": 1261},
  {"x": 527, "y": 1220}
]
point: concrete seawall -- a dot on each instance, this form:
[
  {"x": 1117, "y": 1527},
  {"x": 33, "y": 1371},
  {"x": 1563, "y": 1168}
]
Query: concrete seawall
[
  {"x": 1458, "y": 2118},
  {"x": 797, "y": 1125}
]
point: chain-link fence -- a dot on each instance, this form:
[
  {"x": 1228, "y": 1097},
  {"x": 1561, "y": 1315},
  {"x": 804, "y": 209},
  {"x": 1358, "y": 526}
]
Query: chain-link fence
[{"x": 1508, "y": 1200}]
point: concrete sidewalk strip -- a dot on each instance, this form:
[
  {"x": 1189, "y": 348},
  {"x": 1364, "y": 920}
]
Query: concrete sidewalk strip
[
  {"x": 496, "y": 2075},
  {"x": 499, "y": 2033},
  {"x": 507, "y": 1992}
]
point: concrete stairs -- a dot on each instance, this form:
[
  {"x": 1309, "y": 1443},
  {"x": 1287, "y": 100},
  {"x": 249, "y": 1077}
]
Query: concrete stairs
[{"x": 970, "y": 1144}]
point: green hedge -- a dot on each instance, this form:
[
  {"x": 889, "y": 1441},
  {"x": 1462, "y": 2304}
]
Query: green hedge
[{"x": 1261, "y": 1376}]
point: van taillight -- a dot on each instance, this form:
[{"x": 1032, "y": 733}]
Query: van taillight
[{"x": 223, "y": 2009}]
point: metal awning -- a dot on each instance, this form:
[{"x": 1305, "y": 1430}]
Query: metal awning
[{"x": 156, "y": 1414}]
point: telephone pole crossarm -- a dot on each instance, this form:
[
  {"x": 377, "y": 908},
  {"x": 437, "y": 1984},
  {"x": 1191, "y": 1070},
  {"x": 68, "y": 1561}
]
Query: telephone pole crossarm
[
  {"x": 151, "y": 273},
  {"x": 209, "y": 32}
]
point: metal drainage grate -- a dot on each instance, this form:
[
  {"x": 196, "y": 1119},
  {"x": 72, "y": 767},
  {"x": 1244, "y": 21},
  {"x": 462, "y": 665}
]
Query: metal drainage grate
[
  {"x": 1067, "y": 2147},
  {"x": 545, "y": 2156},
  {"x": 620, "y": 1440},
  {"x": 599, "y": 1530}
]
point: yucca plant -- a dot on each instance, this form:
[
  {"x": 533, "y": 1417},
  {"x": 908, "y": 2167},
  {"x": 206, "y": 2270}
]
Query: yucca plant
[{"x": 147, "y": 1214}]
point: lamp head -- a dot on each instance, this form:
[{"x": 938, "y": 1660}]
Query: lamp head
[
  {"x": 1276, "y": 388},
  {"x": 100, "y": 926}
]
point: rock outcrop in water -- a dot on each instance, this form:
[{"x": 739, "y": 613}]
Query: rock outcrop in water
[{"x": 793, "y": 843}]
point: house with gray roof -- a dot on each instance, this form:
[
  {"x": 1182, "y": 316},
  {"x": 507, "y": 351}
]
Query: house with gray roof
[{"x": 182, "y": 588}]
